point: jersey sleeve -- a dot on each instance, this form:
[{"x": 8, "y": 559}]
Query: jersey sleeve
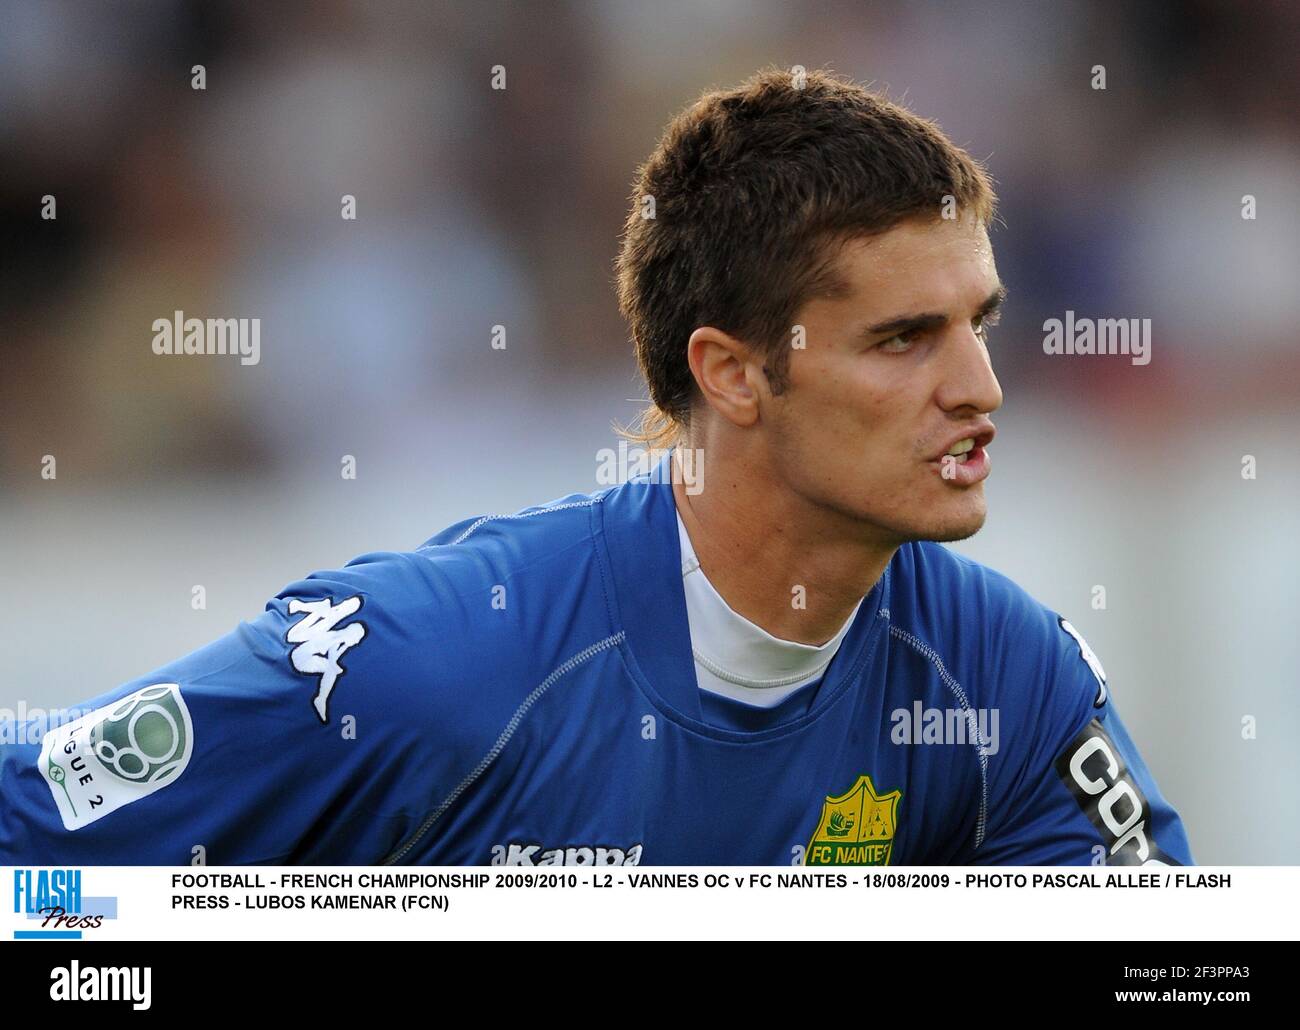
[
  {"x": 301, "y": 736},
  {"x": 1076, "y": 791}
]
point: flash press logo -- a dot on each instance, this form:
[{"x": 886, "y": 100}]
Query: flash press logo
[{"x": 54, "y": 899}]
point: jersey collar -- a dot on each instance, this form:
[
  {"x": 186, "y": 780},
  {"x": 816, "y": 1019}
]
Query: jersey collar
[{"x": 641, "y": 557}]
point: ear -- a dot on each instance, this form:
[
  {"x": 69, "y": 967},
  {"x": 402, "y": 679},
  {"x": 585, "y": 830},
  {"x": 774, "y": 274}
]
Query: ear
[{"x": 727, "y": 374}]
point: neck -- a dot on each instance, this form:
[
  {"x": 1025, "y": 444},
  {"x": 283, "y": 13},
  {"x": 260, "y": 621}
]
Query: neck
[{"x": 789, "y": 566}]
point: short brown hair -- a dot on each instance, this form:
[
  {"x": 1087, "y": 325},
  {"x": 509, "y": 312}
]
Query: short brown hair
[{"x": 752, "y": 189}]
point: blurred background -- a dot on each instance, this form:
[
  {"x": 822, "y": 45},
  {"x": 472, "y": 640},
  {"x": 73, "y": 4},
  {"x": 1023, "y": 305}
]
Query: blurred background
[{"x": 478, "y": 207}]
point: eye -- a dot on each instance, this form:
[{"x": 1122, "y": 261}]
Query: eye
[
  {"x": 983, "y": 323},
  {"x": 900, "y": 343}
]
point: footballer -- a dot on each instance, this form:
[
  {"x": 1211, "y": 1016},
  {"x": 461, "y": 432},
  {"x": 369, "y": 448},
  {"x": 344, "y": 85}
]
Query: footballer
[{"x": 770, "y": 660}]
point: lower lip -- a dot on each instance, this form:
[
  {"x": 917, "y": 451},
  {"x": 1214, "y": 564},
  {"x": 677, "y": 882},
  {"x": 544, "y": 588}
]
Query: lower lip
[{"x": 974, "y": 469}]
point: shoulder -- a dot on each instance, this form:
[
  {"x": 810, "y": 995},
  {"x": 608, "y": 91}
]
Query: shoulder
[
  {"x": 461, "y": 628},
  {"x": 943, "y": 592},
  {"x": 1005, "y": 642},
  {"x": 505, "y": 540},
  {"x": 934, "y": 573}
]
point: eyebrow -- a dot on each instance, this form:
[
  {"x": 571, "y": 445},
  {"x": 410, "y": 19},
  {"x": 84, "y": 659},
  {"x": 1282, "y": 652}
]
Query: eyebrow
[{"x": 930, "y": 320}]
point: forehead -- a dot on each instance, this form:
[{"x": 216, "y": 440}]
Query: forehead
[{"x": 922, "y": 264}]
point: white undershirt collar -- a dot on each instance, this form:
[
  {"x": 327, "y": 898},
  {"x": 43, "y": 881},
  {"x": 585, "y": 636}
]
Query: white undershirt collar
[{"x": 737, "y": 658}]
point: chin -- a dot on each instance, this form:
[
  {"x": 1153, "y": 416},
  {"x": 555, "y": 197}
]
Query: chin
[
  {"x": 946, "y": 527},
  {"x": 953, "y": 517},
  {"x": 950, "y": 533}
]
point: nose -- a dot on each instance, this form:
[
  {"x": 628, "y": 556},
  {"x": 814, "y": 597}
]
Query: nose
[{"x": 967, "y": 379}]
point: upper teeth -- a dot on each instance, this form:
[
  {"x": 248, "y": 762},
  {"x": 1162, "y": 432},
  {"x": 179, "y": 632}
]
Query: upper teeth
[{"x": 962, "y": 446}]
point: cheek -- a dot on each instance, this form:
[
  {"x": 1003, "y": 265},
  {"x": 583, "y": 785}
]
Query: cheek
[
  {"x": 844, "y": 411},
  {"x": 842, "y": 387},
  {"x": 858, "y": 407},
  {"x": 857, "y": 443}
]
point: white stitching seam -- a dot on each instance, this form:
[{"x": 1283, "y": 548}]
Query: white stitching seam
[
  {"x": 504, "y": 738},
  {"x": 527, "y": 703},
  {"x": 522, "y": 515},
  {"x": 929, "y": 652}
]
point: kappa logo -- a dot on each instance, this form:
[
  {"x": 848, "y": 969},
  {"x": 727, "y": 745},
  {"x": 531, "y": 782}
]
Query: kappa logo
[
  {"x": 856, "y": 828},
  {"x": 321, "y": 643},
  {"x": 117, "y": 754},
  {"x": 1094, "y": 663},
  {"x": 517, "y": 853}
]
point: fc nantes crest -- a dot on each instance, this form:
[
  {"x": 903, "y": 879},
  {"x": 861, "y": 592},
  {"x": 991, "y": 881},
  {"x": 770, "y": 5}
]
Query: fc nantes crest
[{"x": 856, "y": 828}]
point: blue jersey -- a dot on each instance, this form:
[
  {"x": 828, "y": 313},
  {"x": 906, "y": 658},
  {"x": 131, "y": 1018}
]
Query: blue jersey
[{"x": 521, "y": 690}]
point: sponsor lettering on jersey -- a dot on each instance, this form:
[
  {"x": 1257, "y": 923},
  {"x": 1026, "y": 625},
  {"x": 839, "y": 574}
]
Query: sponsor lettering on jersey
[{"x": 1094, "y": 771}]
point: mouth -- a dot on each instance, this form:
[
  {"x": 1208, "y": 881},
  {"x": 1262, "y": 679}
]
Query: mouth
[{"x": 966, "y": 461}]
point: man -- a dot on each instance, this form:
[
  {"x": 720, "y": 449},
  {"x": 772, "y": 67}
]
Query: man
[{"x": 765, "y": 661}]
